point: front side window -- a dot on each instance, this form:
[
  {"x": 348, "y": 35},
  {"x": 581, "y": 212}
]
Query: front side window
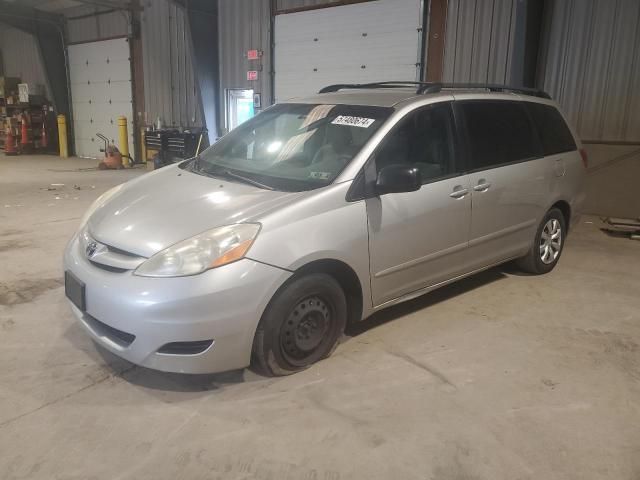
[
  {"x": 499, "y": 133},
  {"x": 292, "y": 147},
  {"x": 424, "y": 139}
]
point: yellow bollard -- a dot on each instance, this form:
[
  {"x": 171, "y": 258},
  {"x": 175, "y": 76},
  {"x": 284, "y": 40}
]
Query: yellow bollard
[
  {"x": 62, "y": 136},
  {"x": 124, "y": 140}
]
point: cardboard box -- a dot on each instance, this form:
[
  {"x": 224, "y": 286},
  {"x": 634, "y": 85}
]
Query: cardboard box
[{"x": 8, "y": 86}]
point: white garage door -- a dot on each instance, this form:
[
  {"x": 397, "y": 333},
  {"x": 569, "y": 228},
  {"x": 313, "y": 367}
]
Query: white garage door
[
  {"x": 100, "y": 74},
  {"x": 366, "y": 42}
]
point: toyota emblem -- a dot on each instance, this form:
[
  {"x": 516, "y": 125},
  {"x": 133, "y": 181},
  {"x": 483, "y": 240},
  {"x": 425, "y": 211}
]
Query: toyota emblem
[{"x": 91, "y": 249}]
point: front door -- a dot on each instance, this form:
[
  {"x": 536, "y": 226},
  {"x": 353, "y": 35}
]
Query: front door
[{"x": 418, "y": 239}]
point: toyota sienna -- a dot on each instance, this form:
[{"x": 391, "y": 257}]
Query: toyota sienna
[{"x": 317, "y": 213}]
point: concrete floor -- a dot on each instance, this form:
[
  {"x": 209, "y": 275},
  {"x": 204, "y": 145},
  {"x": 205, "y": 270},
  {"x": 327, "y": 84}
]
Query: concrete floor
[{"x": 500, "y": 376}]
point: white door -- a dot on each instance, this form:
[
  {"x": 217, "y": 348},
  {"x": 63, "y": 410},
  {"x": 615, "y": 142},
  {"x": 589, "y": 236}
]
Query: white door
[
  {"x": 365, "y": 42},
  {"x": 100, "y": 74},
  {"x": 239, "y": 107}
]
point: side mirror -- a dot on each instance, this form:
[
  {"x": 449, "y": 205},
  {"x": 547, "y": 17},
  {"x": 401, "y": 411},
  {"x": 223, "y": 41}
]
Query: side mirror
[{"x": 398, "y": 179}]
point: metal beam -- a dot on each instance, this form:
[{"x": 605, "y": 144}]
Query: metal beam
[
  {"x": 117, "y": 5},
  {"x": 435, "y": 41},
  {"x": 203, "y": 31},
  {"x": 137, "y": 77},
  {"x": 526, "y": 42},
  {"x": 92, "y": 14}
]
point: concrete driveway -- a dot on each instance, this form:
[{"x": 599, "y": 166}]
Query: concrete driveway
[{"x": 500, "y": 376}]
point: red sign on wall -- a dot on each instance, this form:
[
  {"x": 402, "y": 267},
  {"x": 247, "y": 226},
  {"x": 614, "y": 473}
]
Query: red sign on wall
[
  {"x": 252, "y": 75},
  {"x": 253, "y": 54}
]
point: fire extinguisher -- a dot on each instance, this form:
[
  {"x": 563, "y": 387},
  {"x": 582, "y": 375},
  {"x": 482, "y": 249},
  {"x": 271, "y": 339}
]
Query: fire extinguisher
[
  {"x": 24, "y": 134},
  {"x": 10, "y": 141}
]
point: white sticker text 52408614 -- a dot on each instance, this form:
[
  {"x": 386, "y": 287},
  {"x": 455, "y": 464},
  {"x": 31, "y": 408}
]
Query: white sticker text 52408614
[{"x": 353, "y": 121}]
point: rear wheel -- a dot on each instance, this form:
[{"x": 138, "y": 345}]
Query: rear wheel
[
  {"x": 547, "y": 247},
  {"x": 301, "y": 325}
]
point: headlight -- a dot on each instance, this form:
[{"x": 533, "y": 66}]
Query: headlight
[
  {"x": 210, "y": 249},
  {"x": 101, "y": 200}
]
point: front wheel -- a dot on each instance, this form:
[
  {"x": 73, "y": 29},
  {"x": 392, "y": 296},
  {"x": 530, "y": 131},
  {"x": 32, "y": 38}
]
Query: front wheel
[
  {"x": 548, "y": 244},
  {"x": 301, "y": 325}
]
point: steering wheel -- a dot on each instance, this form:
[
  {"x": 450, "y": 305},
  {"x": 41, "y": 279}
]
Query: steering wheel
[{"x": 329, "y": 150}]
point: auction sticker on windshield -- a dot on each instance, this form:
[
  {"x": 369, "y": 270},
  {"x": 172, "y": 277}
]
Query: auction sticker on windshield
[{"x": 353, "y": 121}]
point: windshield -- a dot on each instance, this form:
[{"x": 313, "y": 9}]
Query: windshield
[{"x": 292, "y": 147}]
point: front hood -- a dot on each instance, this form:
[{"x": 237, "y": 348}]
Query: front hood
[{"x": 159, "y": 209}]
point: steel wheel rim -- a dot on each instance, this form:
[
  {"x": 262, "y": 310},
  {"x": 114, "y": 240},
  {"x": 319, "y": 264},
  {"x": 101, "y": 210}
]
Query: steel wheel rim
[
  {"x": 305, "y": 329},
  {"x": 550, "y": 241}
]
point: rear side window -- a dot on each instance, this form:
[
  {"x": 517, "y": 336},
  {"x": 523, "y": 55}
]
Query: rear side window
[
  {"x": 555, "y": 135},
  {"x": 499, "y": 132}
]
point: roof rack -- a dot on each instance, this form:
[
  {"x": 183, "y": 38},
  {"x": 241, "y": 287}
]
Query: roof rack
[
  {"x": 423, "y": 88},
  {"x": 390, "y": 84},
  {"x": 437, "y": 87}
]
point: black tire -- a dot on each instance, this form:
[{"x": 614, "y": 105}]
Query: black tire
[
  {"x": 301, "y": 325},
  {"x": 533, "y": 261}
]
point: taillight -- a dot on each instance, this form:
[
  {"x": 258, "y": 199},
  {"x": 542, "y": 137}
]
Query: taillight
[{"x": 585, "y": 158}]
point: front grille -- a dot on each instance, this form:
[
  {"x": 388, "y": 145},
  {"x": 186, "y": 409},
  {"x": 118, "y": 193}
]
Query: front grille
[
  {"x": 118, "y": 337},
  {"x": 109, "y": 258},
  {"x": 185, "y": 348},
  {"x": 119, "y": 251}
]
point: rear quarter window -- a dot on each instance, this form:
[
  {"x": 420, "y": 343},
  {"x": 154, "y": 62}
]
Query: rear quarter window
[
  {"x": 499, "y": 132},
  {"x": 555, "y": 135}
]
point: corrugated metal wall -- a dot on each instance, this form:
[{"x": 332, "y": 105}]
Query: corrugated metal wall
[
  {"x": 170, "y": 89},
  {"x": 21, "y": 57},
  {"x": 169, "y": 82},
  {"x": 244, "y": 25},
  {"x": 95, "y": 27},
  {"x": 592, "y": 61},
  {"x": 592, "y": 66},
  {"x": 479, "y": 41}
]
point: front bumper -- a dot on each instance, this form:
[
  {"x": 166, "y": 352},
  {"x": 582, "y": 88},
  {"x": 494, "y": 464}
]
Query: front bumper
[{"x": 224, "y": 304}]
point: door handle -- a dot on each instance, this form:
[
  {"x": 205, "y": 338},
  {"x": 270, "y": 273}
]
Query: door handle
[
  {"x": 459, "y": 193},
  {"x": 482, "y": 186}
]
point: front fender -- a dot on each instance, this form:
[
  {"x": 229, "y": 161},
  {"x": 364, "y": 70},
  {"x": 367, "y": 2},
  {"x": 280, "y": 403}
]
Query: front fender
[{"x": 323, "y": 226}]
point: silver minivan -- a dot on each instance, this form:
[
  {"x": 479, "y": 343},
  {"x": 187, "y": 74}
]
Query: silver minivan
[{"x": 317, "y": 213}]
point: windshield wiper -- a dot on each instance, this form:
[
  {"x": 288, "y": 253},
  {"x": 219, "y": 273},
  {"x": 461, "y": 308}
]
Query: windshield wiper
[
  {"x": 193, "y": 164},
  {"x": 250, "y": 181},
  {"x": 196, "y": 166}
]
